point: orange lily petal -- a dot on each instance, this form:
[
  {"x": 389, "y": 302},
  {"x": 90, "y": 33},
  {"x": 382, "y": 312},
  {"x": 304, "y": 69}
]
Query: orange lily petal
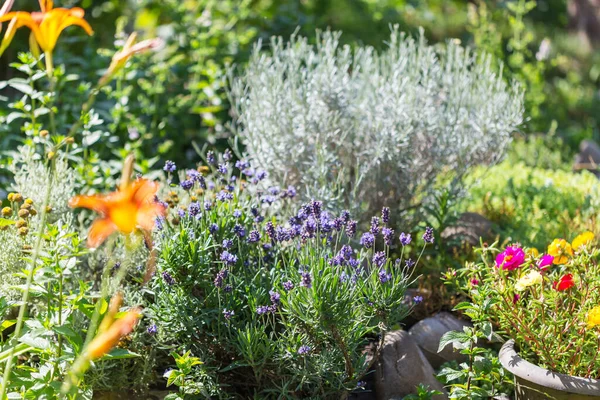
[
  {"x": 104, "y": 342},
  {"x": 144, "y": 191},
  {"x": 46, "y": 5},
  {"x": 100, "y": 230},
  {"x": 95, "y": 202},
  {"x": 146, "y": 218}
]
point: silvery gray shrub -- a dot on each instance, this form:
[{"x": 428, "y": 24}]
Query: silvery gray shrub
[{"x": 361, "y": 128}]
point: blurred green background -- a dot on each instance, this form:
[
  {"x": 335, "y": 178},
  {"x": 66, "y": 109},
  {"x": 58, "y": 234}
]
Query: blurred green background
[{"x": 178, "y": 95}]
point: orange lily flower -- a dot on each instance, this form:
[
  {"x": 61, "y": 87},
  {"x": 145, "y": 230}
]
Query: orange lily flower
[
  {"x": 130, "y": 208},
  {"x": 46, "y": 25},
  {"x": 129, "y": 49},
  {"x": 105, "y": 341}
]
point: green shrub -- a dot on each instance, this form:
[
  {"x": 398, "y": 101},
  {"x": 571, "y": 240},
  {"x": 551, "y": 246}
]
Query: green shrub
[{"x": 533, "y": 205}]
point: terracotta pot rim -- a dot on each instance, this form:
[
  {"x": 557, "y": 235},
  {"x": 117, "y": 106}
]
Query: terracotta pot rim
[{"x": 511, "y": 361}]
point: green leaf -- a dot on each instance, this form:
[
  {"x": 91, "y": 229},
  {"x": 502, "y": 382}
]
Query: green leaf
[
  {"x": 6, "y": 222},
  {"x": 21, "y": 87},
  {"x": 37, "y": 342},
  {"x": 463, "y": 306},
  {"x": 18, "y": 349},
  {"x": 457, "y": 339},
  {"x": 117, "y": 354},
  {"x": 7, "y": 324}
]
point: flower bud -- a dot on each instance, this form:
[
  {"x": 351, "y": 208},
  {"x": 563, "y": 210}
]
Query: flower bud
[
  {"x": 23, "y": 213},
  {"x": 6, "y": 212},
  {"x": 23, "y": 231},
  {"x": 44, "y": 133}
]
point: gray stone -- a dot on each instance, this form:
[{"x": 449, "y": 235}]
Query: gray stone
[
  {"x": 401, "y": 367},
  {"x": 428, "y": 332},
  {"x": 588, "y": 157},
  {"x": 469, "y": 228}
]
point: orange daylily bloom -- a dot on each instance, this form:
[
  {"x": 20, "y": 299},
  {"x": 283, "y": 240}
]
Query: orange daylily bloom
[
  {"x": 129, "y": 49},
  {"x": 130, "y": 208},
  {"x": 105, "y": 341},
  {"x": 46, "y": 25}
]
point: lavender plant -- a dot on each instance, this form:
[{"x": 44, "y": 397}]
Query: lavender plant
[
  {"x": 273, "y": 306},
  {"x": 365, "y": 128}
]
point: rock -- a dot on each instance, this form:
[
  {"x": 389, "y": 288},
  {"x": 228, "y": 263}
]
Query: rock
[
  {"x": 588, "y": 157},
  {"x": 469, "y": 228},
  {"x": 428, "y": 332},
  {"x": 401, "y": 367}
]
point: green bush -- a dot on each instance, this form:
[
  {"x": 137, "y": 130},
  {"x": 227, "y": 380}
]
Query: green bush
[{"x": 533, "y": 205}]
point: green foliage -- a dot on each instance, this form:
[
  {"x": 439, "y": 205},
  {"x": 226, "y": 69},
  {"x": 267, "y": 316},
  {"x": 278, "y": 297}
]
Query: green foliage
[
  {"x": 423, "y": 393},
  {"x": 532, "y": 205}
]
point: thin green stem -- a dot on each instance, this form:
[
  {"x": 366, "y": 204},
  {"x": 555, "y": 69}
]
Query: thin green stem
[{"x": 30, "y": 273}]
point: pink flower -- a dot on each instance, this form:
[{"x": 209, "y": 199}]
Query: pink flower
[
  {"x": 516, "y": 298},
  {"x": 511, "y": 258},
  {"x": 545, "y": 261},
  {"x": 474, "y": 281}
]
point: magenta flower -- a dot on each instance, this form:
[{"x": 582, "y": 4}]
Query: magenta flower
[
  {"x": 474, "y": 281},
  {"x": 545, "y": 261},
  {"x": 511, "y": 258}
]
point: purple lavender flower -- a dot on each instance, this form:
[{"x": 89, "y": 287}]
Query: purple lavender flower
[
  {"x": 153, "y": 329},
  {"x": 207, "y": 205},
  {"x": 428, "y": 235},
  {"x": 227, "y": 243},
  {"x": 388, "y": 236},
  {"x": 326, "y": 223},
  {"x": 239, "y": 230},
  {"x": 260, "y": 310},
  {"x": 282, "y": 234},
  {"x": 338, "y": 224},
  {"x": 409, "y": 263},
  {"x": 187, "y": 184},
  {"x": 193, "y": 174},
  {"x": 345, "y": 216},
  {"x": 336, "y": 260},
  {"x": 268, "y": 199},
  {"x": 194, "y": 209},
  {"x": 260, "y": 174},
  {"x": 274, "y": 190},
  {"x": 351, "y": 228},
  {"x": 405, "y": 239},
  {"x": 181, "y": 213},
  {"x": 228, "y": 258},
  {"x": 418, "y": 299},
  {"x": 168, "y": 278},
  {"x": 379, "y": 258},
  {"x": 275, "y": 297},
  {"x": 375, "y": 226},
  {"x": 250, "y": 172},
  {"x": 288, "y": 285},
  {"x": 170, "y": 166},
  {"x": 242, "y": 164},
  {"x": 315, "y": 208},
  {"x": 353, "y": 262},
  {"x": 227, "y": 314},
  {"x": 367, "y": 240},
  {"x": 222, "y": 168},
  {"x": 385, "y": 215},
  {"x": 228, "y": 288},
  {"x": 227, "y": 155},
  {"x": 346, "y": 252},
  {"x": 344, "y": 276},
  {"x": 253, "y": 236},
  {"x": 237, "y": 214},
  {"x": 361, "y": 384},
  {"x": 224, "y": 196},
  {"x": 384, "y": 276},
  {"x": 221, "y": 276},
  {"x": 213, "y": 228},
  {"x": 306, "y": 279},
  {"x": 159, "y": 222},
  {"x": 210, "y": 157},
  {"x": 210, "y": 185},
  {"x": 304, "y": 350},
  {"x": 291, "y": 192}
]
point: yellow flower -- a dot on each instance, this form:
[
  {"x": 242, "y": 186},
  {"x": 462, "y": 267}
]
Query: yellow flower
[
  {"x": 593, "y": 318},
  {"x": 561, "y": 250},
  {"x": 582, "y": 240},
  {"x": 533, "y": 277},
  {"x": 533, "y": 252}
]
